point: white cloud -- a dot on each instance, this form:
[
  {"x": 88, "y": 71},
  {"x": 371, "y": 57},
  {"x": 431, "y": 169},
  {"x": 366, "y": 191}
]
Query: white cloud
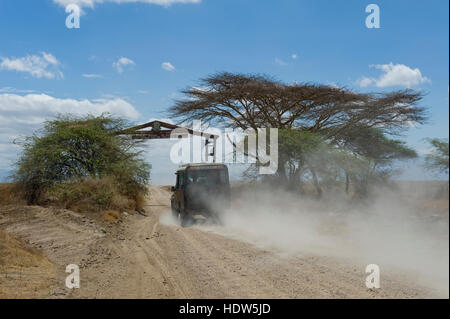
[
  {"x": 365, "y": 82},
  {"x": 280, "y": 62},
  {"x": 35, "y": 108},
  {"x": 168, "y": 66},
  {"x": 294, "y": 56},
  {"x": 40, "y": 66},
  {"x": 9, "y": 89},
  {"x": 20, "y": 115},
  {"x": 121, "y": 63},
  {"x": 91, "y": 3},
  {"x": 92, "y": 76},
  {"x": 395, "y": 75}
]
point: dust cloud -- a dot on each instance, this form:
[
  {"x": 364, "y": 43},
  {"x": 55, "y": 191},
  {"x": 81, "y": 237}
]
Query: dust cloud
[{"x": 386, "y": 231}]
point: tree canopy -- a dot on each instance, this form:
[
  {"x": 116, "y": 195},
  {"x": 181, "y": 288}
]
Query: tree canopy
[
  {"x": 255, "y": 101},
  {"x": 324, "y": 130},
  {"x": 73, "y": 148},
  {"x": 437, "y": 160}
]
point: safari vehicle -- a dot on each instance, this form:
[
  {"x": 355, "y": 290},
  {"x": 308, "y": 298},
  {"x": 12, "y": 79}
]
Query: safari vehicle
[{"x": 200, "y": 190}]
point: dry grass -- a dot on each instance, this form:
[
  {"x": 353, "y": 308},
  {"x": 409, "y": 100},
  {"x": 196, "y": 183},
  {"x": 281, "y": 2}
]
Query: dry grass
[
  {"x": 111, "y": 216},
  {"x": 140, "y": 202},
  {"x": 90, "y": 195},
  {"x": 10, "y": 194},
  {"x": 24, "y": 271}
]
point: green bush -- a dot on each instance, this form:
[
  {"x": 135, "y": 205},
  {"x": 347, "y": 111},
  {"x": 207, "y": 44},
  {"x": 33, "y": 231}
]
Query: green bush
[{"x": 71, "y": 150}]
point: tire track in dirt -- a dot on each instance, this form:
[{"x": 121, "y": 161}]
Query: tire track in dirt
[{"x": 144, "y": 258}]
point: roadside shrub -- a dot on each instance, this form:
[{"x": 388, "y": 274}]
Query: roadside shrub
[{"x": 82, "y": 161}]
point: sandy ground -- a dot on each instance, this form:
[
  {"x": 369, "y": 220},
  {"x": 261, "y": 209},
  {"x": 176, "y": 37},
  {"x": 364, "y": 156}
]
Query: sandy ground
[{"x": 140, "y": 257}]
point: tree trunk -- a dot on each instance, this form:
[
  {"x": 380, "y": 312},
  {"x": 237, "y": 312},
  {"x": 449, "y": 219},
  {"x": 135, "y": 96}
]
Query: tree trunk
[
  {"x": 316, "y": 182},
  {"x": 347, "y": 183},
  {"x": 281, "y": 172},
  {"x": 294, "y": 179}
]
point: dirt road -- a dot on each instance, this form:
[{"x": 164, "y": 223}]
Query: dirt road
[{"x": 144, "y": 258}]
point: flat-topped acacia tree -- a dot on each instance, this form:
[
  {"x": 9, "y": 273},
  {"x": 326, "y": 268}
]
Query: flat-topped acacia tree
[
  {"x": 255, "y": 101},
  {"x": 338, "y": 115}
]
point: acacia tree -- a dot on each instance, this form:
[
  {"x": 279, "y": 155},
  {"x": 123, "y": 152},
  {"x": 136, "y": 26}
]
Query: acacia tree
[
  {"x": 335, "y": 113},
  {"x": 437, "y": 160},
  {"x": 365, "y": 159},
  {"x": 73, "y": 148},
  {"x": 255, "y": 101},
  {"x": 373, "y": 154},
  {"x": 296, "y": 149}
]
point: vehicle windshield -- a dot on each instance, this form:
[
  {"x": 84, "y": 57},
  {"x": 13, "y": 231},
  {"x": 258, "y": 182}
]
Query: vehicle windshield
[{"x": 207, "y": 176}]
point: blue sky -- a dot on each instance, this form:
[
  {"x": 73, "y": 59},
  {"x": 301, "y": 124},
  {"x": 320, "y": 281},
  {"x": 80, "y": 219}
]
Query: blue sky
[{"x": 115, "y": 60}]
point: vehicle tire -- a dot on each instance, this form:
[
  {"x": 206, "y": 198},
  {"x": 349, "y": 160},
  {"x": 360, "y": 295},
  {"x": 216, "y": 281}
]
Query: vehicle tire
[{"x": 186, "y": 220}]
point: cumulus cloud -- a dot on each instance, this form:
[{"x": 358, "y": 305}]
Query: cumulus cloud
[
  {"x": 294, "y": 56},
  {"x": 168, "y": 66},
  {"x": 121, "y": 63},
  {"x": 35, "y": 108},
  {"x": 44, "y": 65},
  {"x": 20, "y": 115},
  {"x": 395, "y": 75},
  {"x": 365, "y": 82},
  {"x": 91, "y": 3}
]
